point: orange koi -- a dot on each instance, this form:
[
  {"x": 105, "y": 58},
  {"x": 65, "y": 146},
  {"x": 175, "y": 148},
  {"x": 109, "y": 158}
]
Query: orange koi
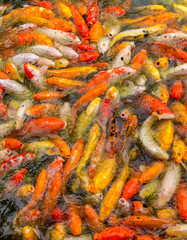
[
  {"x": 48, "y": 96},
  {"x": 163, "y": 50},
  {"x": 146, "y": 222},
  {"x": 40, "y": 126},
  {"x": 110, "y": 76},
  {"x": 177, "y": 90},
  {"x": 86, "y": 98},
  {"x": 61, "y": 83},
  {"x": 87, "y": 57},
  {"x": 72, "y": 162},
  {"x": 13, "y": 162},
  {"x": 148, "y": 21},
  {"x": 92, "y": 217},
  {"x": 54, "y": 167},
  {"x": 61, "y": 24},
  {"x": 11, "y": 70},
  {"x": 42, "y": 39},
  {"x": 73, "y": 216},
  {"x": 62, "y": 146},
  {"x": 152, "y": 172},
  {"x": 12, "y": 144},
  {"x": 46, "y": 4},
  {"x": 118, "y": 232},
  {"x": 181, "y": 199},
  {"x": 3, "y": 75},
  {"x": 37, "y": 196},
  {"x": 42, "y": 110},
  {"x": 151, "y": 104},
  {"x": 138, "y": 60},
  {"x": 82, "y": 8},
  {"x": 79, "y": 22},
  {"x": 96, "y": 31},
  {"x": 137, "y": 208},
  {"x": 73, "y": 72},
  {"x": 131, "y": 188},
  {"x": 51, "y": 197},
  {"x": 116, "y": 11}
]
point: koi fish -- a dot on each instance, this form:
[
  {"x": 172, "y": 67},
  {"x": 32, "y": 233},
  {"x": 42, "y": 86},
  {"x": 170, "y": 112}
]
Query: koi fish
[
  {"x": 48, "y": 96},
  {"x": 15, "y": 89},
  {"x": 118, "y": 232},
  {"x": 111, "y": 76},
  {"x": 65, "y": 38},
  {"x": 71, "y": 72},
  {"x": 37, "y": 196},
  {"x": 178, "y": 39},
  {"x": 72, "y": 162},
  {"x": 94, "y": 222},
  {"x": 147, "y": 139},
  {"x": 139, "y": 34},
  {"x": 40, "y": 126},
  {"x": 163, "y": 50},
  {"x": 168, "y": 185},
  {"x": 12, "y": 144},
  {"x": 113, "y": 194},
  {"x": 42, "y": 110},
  {"x": 86, "y": 98},
  {"x": 146, "y": 221},
  {"x": 14, "y": 182},
  {"x": 35, "y": 75},
  {"x": 12, "y": 162},
  {"x": 62, "y": 83}
]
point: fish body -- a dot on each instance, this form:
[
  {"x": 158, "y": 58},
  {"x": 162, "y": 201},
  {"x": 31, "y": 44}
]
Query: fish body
[
  {"x": 65, "y": 38},
  {"x": 35, "y": 75},
  {"x": 45, "y": 51},
  {"x": 111, "y": 76},
  {"x": 14, "y": 161},
  {"x": 41, "y": 126},
  {"x": 21, "y": 112},
  {"x": 168, "y": 185},
  {"x": 15, "y": 89},
  {"x": 138, "y": 34}
]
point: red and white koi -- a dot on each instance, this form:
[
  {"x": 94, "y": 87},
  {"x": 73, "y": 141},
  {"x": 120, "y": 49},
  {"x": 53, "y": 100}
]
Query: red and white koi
[
  {"x": 35, "y": 75},
  {"x": 14, "y": 161}
]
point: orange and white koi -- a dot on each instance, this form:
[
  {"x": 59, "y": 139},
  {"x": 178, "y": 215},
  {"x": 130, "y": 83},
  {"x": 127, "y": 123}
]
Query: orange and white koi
[{"x": 11, "y": 70}]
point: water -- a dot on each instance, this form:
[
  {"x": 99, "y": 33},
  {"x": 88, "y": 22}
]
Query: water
[{"x": 9, "y": 206}]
